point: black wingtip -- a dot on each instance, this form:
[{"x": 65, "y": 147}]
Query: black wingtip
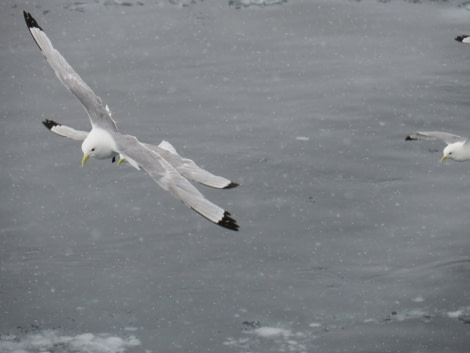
[
  {"x": 228, "y": 222},
  {"x": 30, "y": 21},
  {"x": 461, "y": 38},
  {"x": 409, "y": 138},
  {"x": 231, "y": 185},
  {"x": 50, "y": 124}
]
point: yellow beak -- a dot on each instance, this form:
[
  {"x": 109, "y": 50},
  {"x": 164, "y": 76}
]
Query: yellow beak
[
  {"x": 443, "y": 158},
  {"x": 84, "y": 159},
  {"x": 121, "y": 160}
]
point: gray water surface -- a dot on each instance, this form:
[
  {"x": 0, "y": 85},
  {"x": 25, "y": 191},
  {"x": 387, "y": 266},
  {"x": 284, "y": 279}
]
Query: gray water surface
[{"x": 352, "y": 239}]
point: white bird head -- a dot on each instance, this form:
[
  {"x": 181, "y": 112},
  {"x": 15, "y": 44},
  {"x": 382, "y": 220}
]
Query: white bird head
[
  {"x": 455, "y": 151},
  {"x": 98, "y": 144}
]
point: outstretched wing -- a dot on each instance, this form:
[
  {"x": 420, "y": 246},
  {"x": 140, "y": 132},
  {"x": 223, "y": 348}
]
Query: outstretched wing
[
  {"x": 432, "y": 135},
  {"x": 169, "y": 179},
  {"x": 97, "y": 111},
  {"x": 189, "y": 169},
  {"x": 65, "y": 131}
]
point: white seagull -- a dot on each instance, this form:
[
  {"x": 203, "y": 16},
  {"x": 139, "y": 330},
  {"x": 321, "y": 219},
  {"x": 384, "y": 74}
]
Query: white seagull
[
  {"x": 162, "y": 162},
  {"x": 464, "y": 38},
  {"x": 458, "y": 147}
]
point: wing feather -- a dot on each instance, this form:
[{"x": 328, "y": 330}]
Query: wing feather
[
  {"x": 97, "y": 111},
  {"x": 189, "y": 169},
  {"x": 163, "y": 173},
  {"x": 431, "y": 135},
  {"x": 65, "y": 131}
]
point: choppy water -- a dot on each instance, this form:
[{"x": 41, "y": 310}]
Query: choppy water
[{"x": 352, "y": 239}]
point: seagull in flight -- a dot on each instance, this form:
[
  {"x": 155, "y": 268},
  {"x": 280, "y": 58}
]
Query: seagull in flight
[
  {"x": 166, "y": 167},
  {"x": 458, "y": 147}
]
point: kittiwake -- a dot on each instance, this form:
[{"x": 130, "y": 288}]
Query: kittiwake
[
  {"x": 166, "y": 167},
  {"x": 458, "y": 147}
]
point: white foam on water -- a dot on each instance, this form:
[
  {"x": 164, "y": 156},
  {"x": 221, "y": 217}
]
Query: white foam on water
[{"x": 46, "y": 341}]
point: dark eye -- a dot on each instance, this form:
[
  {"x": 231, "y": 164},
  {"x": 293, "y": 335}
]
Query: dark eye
[
  {"x": 450, "y": 153},
  {"x": 93, "y": 149}
]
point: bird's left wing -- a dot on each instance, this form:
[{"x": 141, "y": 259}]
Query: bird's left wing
[
  {"x": 99, "y": 114},
  {"x": 169, "y": 179},
  {"x": 189, "y": 169}
]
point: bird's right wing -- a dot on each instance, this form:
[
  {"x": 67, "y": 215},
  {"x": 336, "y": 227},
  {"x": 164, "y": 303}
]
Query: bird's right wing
[
  {"x": 169, "y": 179},
  {"x": 65, "y": 131},
  {"x": 431, "y": 135}
]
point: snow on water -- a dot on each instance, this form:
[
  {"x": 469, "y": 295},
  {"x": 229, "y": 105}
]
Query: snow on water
[
  {"x": 237, "y": 4},
  {"x": 51, "y": 341},
  {"x": 283, "y": 338}
]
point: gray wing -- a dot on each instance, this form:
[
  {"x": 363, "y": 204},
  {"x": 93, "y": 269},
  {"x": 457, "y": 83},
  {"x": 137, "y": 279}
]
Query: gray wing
[
  {"x": 65, "y": 131},
  {"x": 97, "y": 111},
  {"x": 189, "y": 169},
  {"x": 432, "y": 135},
  {"x": 169, "y": 179}
]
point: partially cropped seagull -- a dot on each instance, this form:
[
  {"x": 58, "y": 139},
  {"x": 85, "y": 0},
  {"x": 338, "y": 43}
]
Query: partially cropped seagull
[
  {"x": 463, "y": 38},
  {"x": 458, "y": 147},
  {"x": 162, "y": 162}
]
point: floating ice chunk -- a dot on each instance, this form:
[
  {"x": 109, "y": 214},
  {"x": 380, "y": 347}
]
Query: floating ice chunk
[
  {"x": 46, "y": 341},
  {"x": 130, "y": 328},
  {"x": 302, "y": 138},
  {"x": 260, "y": 3},
  {"x": 269, "y": 332},
  {"x": 315, "y": 324},
  {"x": 454, "y": 314}
]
